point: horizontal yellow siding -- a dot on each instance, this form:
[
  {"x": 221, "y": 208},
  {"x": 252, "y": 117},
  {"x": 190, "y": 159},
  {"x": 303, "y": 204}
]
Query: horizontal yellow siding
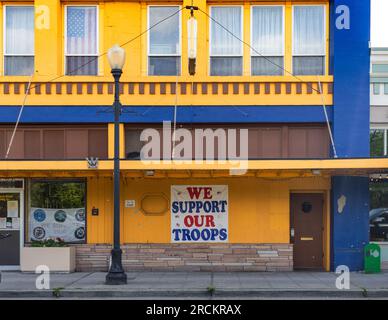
[{"x": 258, "y": 208}]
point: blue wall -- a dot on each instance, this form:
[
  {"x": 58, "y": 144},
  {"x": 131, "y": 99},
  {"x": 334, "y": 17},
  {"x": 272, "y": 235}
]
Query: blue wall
[
  {"x": 350, "y": 58},
  {"x": 185, "y": 114},
  {"x": 350, "y": 228}
]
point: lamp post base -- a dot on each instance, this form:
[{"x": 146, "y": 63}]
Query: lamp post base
[{"x": 116, "y": 274}]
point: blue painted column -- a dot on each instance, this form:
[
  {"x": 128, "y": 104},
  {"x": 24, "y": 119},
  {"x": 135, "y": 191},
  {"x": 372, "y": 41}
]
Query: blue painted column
[
  {"x": 350, "y": 59},
  {"x": 350, "y": 221}
]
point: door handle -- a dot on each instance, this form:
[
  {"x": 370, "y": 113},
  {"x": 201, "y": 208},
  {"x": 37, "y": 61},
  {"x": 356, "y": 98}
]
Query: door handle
[{"x": 307, "y": 239}]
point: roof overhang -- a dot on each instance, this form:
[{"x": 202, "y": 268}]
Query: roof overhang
[{"x": 176, "y": 168}]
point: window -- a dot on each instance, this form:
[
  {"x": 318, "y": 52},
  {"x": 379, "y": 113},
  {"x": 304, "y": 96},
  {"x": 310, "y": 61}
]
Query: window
[
  {"x": 267, "y": 40},
  {"x": 164, "y": 48},
  {"x": 309, "y": 49},
  {"x": 376, "y": 89},
  {"x": 378, "y": 215},
  {"x": 378, "y": 142},
  {"x": 19, "y": 40},
  {"x": 225, "y": 50},
  {"x": 57, "y": 210},
  {"x": 380, "y": 68},
  {"x": 81, "y": 40}
]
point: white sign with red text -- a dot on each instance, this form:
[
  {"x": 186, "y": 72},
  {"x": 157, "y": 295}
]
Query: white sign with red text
[{"x": 199, "y": 213}]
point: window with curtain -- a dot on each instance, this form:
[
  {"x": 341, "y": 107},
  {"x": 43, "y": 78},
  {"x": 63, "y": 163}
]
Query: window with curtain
[
  {"x": 164, "y": 52},
  {"x": 81, "y": 40},
  {"x": 19, "y": 40},
  {"x": 225, "y": 50},
  {"x": 267, "y": 58},
  {"x": 309, "y": 48}
]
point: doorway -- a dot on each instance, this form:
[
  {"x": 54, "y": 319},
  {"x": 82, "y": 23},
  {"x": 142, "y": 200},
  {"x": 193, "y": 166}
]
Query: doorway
[
  {"x": 306, "y": 213},
  {"x": 11, "y": 216}
]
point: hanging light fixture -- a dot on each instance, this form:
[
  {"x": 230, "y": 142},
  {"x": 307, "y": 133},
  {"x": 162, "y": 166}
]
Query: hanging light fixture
[{"x": 192, "y": 41}]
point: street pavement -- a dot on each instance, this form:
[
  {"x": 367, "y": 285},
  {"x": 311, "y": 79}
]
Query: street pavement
[{"x": 197, "y": 285}]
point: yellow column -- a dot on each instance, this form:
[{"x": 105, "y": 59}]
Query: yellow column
[
  {"x": 111, "y": 140},
  {"x": 144, "y": 39},
  {"x": 247, "y": 38},
  {"x": 202, "y": 66},
  {"x": 288, "y": 44},
  {"x": 48, "y": 38}
]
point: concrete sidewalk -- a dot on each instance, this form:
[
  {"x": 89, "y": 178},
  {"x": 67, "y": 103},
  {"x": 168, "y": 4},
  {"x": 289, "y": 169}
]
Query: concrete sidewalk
[{"x": 204, "y": 285}]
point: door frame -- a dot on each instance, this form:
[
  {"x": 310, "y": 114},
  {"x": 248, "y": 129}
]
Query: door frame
[
  {"x": 20, "y": 191},
  {"x": 326, "y": 222}
]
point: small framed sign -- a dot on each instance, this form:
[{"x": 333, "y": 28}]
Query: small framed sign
[{"x": 130, "y": 203}]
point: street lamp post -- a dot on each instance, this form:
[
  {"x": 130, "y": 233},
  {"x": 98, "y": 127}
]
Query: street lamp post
[{"x": 116, "y": 274}]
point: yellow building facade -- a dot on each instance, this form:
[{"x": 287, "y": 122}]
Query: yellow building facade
[{"x": 67, "y": 118}]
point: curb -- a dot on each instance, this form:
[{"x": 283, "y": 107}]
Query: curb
[{"x": 221, "y": 293}]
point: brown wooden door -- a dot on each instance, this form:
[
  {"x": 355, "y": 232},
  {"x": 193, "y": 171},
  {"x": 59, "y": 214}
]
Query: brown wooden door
[{"x": 306, "y": 230}]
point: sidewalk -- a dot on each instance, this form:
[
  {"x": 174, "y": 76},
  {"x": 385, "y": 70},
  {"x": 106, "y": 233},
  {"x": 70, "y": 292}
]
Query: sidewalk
[{"x": 204, "y": 285}]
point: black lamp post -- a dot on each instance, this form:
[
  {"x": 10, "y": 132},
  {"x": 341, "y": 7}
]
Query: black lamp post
[{"x": 116, "y": 274}]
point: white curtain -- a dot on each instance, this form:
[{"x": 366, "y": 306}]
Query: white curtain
[
  {"x": 309, "y": 25},
  {"x": 222, "y": 42},
  {"x": 267, "y": 30},
  {"x": 19, "y": 30},
  {"x": 164, "y": 37},
  {"x": 81, "y": 30}
]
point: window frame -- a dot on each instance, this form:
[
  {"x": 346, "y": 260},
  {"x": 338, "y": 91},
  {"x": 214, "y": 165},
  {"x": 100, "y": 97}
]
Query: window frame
[
  {"x": 5, "y": 38},
  {"x": 97, "y": 39},
  {"x": 376, "y": 89},
  {"x": 241, "y": 37},
  {"x": 28, "y": 205},
  {"x": 324, "y": 36},
  {"x": 252, "y": 52},
  {"x": 179, "y": 7},
  {"x": 385, "y": 129}
]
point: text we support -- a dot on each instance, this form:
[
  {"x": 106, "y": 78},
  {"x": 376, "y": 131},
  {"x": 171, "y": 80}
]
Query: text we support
[{"x": 199, "y": 213}]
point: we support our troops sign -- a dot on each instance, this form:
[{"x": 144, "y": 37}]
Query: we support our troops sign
[{"x": 199, "y": 213}]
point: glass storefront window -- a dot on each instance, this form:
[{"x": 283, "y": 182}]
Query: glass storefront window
[
  {"x": 57, "y": 210},
  {"x": 378, "y": 215}
]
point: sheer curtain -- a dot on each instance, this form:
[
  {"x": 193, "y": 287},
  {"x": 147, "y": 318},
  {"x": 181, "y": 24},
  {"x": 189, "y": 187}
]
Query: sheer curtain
[
  {"x": 267, "y": 40},
  {"x": 309, "y": 40},
  {"x": 81, "y": 40},
  {"x": 164, "y": 41},
  {"x": 19, "y": 40},
  {"x": 223, "y": 43},
  {"x": 226, "y": 50}
]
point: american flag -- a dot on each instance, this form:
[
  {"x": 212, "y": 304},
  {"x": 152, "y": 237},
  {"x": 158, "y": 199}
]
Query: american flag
[{"x": 81, "y": 30}]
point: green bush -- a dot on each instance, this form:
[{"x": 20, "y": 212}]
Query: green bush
[{"x": 48, "y": 243}]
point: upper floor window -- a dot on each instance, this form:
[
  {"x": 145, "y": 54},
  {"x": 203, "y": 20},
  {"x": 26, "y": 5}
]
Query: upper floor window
[
  {"x": 164, "y": 47},
  {"x": 378, "y": 143},
  {"x": 380, "y": 68},
  {"x": 376, "y": 89},
  {"x": 267, "y": 40},
  {"x": 309, "y": 49},
  {"x": 81, "y": 45},
  {"x": 226, "y": 51},
  {"x": 19, "y": 40}
]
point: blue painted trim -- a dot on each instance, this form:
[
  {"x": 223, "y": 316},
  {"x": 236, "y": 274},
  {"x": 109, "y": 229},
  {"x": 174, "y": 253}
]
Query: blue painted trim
[{"x": 185, "y": 114}]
